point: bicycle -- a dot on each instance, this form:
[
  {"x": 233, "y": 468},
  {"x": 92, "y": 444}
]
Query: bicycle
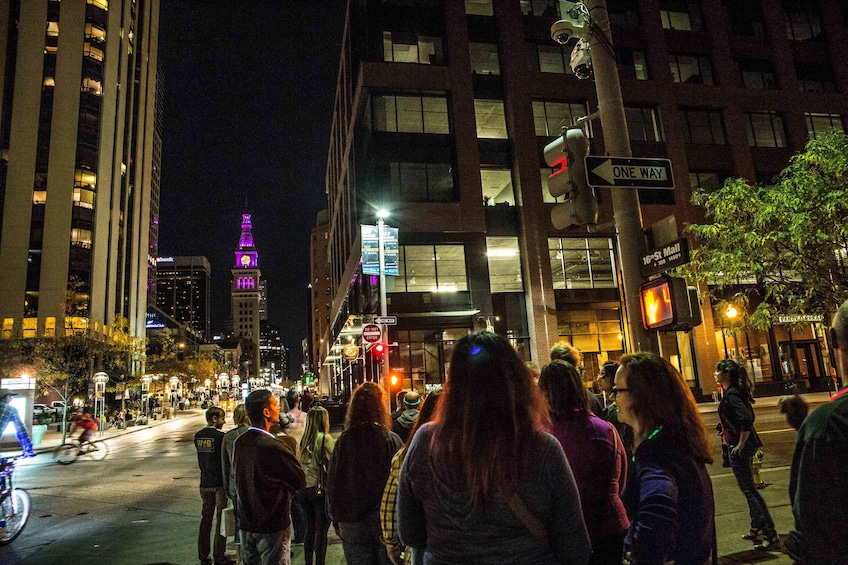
[
  {"x": 14, "y": 503},
  {"x": 69, "y": 452}
]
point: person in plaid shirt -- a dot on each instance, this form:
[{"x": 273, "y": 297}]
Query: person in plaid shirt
[{"x": 8, "y": 413}]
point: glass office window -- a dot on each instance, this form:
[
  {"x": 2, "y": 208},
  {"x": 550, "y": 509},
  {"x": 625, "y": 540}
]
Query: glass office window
[
  {"x": 708, "y": 181},
  {"x": 497, "y": 186},
  {"x": 757, "y": 74},
  {"x": 410, "y": 114},
  {"x": 409, "y": 47},
  {"x": 582, "y": 262},
  {"x": 430, "y": 268},
  {"x": 765, "y": 129},
  {"x": 642, "y": 124},
  {"x": 703, "y": 126},
  {"x": 691, "y": 69},
  {"x": 491, "y": 121},
  {"x": 504, "y": 261},
  {"x": 484, "y": 58},
  {"x": 550, "y": 116},
  {"x": 479, "y": 7},
  {"x": 817, "y": 124},
  {"x": 631, "y": 64}
]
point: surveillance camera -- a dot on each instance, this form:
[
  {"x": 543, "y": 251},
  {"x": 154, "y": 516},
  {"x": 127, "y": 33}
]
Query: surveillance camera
[
  {"x": 581, "y": 60},
  {"x": 563, "y": 30}
]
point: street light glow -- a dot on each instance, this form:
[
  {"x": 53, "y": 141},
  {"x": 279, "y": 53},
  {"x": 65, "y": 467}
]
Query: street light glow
[
  {"x": 381, "y": 213},
  {"x": 731, "y": 312}
]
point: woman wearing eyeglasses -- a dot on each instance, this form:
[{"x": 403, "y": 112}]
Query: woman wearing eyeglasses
[{"x": 669, "y": 497}]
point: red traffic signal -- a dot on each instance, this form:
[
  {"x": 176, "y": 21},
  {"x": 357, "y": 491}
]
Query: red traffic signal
[{"x": 378, "y": 350}]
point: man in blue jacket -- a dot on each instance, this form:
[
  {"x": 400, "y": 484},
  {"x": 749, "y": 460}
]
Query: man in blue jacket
[{"x": 818, "y": 483}]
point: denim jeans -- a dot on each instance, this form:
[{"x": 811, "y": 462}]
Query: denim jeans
[
  {"x": 361, "y": 542},
  {"x": 317, "y": 525},
  {"x": 214, "y": 502},
  {"x": 266, "y": 549},
  {"x": 741, "y": 465}
]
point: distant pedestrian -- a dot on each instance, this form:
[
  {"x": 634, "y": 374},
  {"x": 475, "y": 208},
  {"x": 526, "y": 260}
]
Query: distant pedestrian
[
  {"x": 818, "y": 482},
  {"x": 241, "y": 422},
  {"x": 737, "y": 423},
  {"x": 606, "y": 382},
  {"x": 267, "y": 476},
  {"x": 483, "y": 482},
  {"x": 669, "y": 496},
  {"x": 403, "y": 424},
  {"x": 209, "y": 445},
  {"x": 564, "y": 351},
  {"x": 357, "y": 475},
  {"x": 596, "y": 456}
]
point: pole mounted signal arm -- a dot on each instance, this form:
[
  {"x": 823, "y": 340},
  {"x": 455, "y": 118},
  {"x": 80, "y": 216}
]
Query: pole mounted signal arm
[{"x": 566, "y": 155}]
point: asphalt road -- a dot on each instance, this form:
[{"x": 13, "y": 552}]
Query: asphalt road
[{"x": 141, "y": 506}]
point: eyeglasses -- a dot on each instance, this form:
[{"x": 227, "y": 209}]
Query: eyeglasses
[{"x": 616, "y": 390}]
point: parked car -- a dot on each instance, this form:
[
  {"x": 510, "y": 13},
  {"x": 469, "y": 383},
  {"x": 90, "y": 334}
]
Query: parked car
[{"x": 42, "y": 410}]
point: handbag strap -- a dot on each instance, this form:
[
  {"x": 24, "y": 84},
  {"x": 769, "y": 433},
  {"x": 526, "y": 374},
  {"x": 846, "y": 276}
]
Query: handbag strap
[{"x": 528, "y": 519}]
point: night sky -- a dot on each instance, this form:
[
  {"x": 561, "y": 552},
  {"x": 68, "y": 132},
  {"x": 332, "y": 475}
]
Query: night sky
[{"x": 249, "y": 90}]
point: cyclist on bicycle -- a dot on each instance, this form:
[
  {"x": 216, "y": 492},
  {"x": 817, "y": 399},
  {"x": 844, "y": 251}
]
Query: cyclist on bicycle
[
  {"x": 8, "y": 413},
  {"x": 83, "y": 419}
]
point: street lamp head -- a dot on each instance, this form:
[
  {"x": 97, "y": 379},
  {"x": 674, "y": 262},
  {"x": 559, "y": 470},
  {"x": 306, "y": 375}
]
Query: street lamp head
[
  {"x": 382, "y": 213},
  {"x": 731, "y": 312}
]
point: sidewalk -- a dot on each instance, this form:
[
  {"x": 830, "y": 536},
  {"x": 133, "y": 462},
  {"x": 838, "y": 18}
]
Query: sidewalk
[
  {"x": 52, "y": 438},
  {"x": 812, "y": 398}
]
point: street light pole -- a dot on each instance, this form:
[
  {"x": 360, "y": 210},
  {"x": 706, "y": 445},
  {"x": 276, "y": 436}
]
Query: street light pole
[
  {"x": 625, "y": 201},
  {"x": 384, "y": 329}
]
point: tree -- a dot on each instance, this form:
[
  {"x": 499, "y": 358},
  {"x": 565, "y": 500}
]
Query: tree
[{"x": 789, "y": 238}]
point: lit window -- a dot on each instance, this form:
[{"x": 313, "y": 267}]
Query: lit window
[
  {"x": 484, "y": 58},
  {"x": 549, "y": 116},
  {"x": 92, "y": 86},
  {"x": 765, "y": 129},
  {"x": 491, "y": 121},
  {"x": 401, "y": 47},
  {"x": 410, "y": 114},
  {"x": 497, "y": 186},
  {"x": 479, "y": 7},
  {"x": 582, "y": 263},
  {"x": 818, "y": 124},
  {"x": 39, "y": 197},
  {"x": 691, "y": 69},
  {"x": 504, "y": 261},
  {"x": 80, "y": 238},
  {"x": 429, "y": 268},
  {"x": 90, "y": 50},
  {"x": 102, "y": 4},
  {"x": 83, "y": 198},
  {"x": 52, "y": 29}
]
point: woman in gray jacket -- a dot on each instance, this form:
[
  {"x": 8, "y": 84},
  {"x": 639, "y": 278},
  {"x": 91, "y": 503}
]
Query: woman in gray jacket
[{"x": 483, "y": 483}]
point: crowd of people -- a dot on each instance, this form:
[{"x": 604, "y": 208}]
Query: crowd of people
[{"x": 543, "y": 472}]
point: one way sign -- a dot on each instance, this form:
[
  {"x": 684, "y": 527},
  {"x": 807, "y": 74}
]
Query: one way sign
[{"x": 629, "y": 172}]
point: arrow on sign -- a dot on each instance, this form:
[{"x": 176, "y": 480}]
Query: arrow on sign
[{"x": 624, "y": 171}]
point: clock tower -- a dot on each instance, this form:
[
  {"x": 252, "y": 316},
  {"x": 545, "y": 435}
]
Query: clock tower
[{"x": 245, "y": 294}]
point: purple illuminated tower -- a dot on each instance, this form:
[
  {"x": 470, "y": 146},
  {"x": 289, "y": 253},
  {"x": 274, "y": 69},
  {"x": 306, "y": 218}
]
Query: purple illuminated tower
[{"x": 245, "y": 293}]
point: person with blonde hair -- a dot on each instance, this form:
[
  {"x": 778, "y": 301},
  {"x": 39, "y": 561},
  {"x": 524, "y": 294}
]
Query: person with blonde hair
[
  {"x": 316, "y": 448},
  {"x": 669, "y": 496},
  {"x": 483, "y": 482}
]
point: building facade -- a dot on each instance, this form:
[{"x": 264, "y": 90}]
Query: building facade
[
  {"x": 77, "y": 106},
  {"x": 246, "y": 299},
  {"x": 443, "y": 108},
  {"x": 183, "y": 290}
]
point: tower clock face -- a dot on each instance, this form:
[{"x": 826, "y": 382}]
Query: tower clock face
[{"x": 245, "y": 260}]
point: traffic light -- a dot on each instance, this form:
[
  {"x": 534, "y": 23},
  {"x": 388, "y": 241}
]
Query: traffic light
[
  {"x": 378, "y": 351},
  {"x": 567, "y": 155},
  {"x": 393, "y": 381},
  {"x": 669, "y": 305}
]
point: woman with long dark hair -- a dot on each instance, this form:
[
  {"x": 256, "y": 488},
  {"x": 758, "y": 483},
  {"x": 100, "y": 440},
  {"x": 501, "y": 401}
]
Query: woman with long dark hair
[
  {"x": 597, "y": 458},
  {"x": 358, "y": 471},
  {"x": 483, "y": 483},
  {"x": 316, "y": 448},
  {"x": 669, "y": 497},
  {"x": 737, "y": 429}
]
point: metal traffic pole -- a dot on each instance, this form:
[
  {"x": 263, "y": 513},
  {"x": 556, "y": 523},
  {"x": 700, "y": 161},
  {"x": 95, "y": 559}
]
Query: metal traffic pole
[
  {"x": 384, "y": 329},
  {"x": 625, "y": 201}
]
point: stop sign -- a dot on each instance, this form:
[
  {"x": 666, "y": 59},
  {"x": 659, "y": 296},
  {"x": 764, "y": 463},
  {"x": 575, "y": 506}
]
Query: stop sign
[{"x": 371, "y": 333}]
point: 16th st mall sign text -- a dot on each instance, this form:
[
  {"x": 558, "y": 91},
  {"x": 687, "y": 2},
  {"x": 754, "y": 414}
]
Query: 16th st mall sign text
[{"x": 629, "y": 172}]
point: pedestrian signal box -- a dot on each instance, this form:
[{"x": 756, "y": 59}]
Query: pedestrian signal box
[{"x": 668, "y": 304}]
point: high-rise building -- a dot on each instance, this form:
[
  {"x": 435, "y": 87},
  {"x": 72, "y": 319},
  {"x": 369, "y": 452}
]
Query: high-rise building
[
  {"x": 77, "y": 100},
  {"x": 183, "y": 291},
  {"x": 245, "y": 299},
  {"x": 442, "y": 111}
]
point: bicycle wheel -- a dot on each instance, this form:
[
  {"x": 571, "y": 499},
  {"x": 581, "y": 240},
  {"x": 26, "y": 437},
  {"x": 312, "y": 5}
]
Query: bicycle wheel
[
  {"x": 98, "y": 450},
  {"x": 66, "y": 453},
  {"x": 15, "y": 510}
]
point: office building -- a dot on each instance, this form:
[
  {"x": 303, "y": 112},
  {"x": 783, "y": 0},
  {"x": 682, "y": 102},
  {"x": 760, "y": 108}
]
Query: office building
[
  {"x": 77, "y": 163},
  {"x": 442, "y": 112},
  {"x": 183, "y": 291}
]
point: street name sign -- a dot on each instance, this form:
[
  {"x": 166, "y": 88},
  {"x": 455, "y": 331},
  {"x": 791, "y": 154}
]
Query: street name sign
[
  {"x": 629, "y": 172},
  {"x": 371, "y": 333},
  {"x": 667, "y": 257},
  {"x": 386, "y": 320}
]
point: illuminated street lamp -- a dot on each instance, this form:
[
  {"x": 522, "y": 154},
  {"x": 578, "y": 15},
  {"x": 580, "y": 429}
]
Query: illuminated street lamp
[
  {"x": 145, "y": 392},
  {"x": 100, "y": 380}
]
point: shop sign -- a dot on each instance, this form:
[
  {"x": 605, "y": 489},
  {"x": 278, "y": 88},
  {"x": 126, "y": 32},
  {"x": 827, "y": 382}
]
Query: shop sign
[{"x": 801, "y": 318}]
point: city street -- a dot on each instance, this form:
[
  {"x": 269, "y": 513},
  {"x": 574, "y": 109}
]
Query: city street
[{"x": 140, "y": 506}]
